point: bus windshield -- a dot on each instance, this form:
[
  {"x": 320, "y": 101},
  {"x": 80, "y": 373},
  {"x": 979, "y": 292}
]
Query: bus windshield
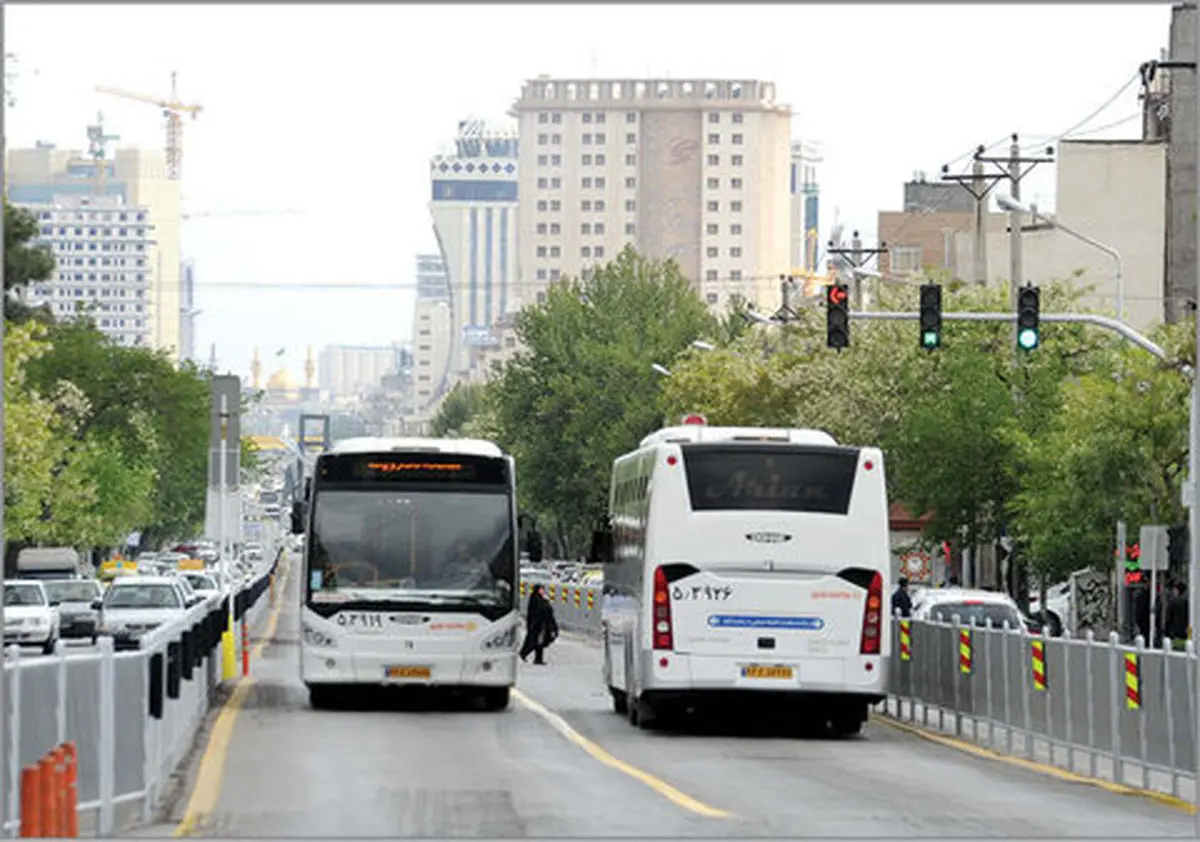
[
  {"x": 428, "y": 547},
  {"x": 770, "y": 478}
]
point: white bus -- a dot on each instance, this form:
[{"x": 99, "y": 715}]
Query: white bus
[
  {"x": 746, "y": 561},
  {"x": 410, "y": 568}
]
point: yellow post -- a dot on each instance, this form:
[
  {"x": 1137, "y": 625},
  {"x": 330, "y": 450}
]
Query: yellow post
[
  {"x": 272, "y": 590},
  {"x": 228, "y": 652}
]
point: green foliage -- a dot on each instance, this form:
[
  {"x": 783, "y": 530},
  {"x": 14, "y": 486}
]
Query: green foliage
[
  {"x": 464, "y": 403},
  {"x": 581, "y": 390},
  {"x": 24, "y": 264}
]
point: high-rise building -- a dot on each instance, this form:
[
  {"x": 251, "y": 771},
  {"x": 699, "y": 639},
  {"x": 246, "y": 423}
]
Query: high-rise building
[
  {"x": 348, "y": 370},
  {"x": 474, "y": 208},
  {"x": 694, "y": 170},
  {"x": 432, "y": 336},
  {"x": 137, "y": 178},
  {"x": 187, "y": 310},
  {"x": 432, "y": 281},
  {"x": 101, "y": 250}
]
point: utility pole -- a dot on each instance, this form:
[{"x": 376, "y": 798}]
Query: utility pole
[
  {"x": 858, "y": 258},
  {"x": 979, "y": 184}
]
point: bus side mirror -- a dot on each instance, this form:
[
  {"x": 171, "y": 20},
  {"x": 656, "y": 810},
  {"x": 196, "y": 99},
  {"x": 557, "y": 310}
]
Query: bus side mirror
[
  {"x": 298, "y": 518},
  {"x": 602, "y": 546}
]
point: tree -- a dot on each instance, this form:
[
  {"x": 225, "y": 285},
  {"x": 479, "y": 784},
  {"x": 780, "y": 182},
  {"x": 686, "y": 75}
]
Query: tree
[
  {"x": 581, "y": 391},
  {"x": 465, "y": 401},
  {"x": 24, "y": 264}
]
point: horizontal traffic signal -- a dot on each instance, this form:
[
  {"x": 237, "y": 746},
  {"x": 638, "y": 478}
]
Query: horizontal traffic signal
[{"x": 931, "y": 316}]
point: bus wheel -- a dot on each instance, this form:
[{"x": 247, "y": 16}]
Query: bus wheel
[
  {"x": 322, "y": 697},
  {"x": 620, "y": 701},
  {"x": 495, "y": 698},
  {"x": 849, "y": 723}
]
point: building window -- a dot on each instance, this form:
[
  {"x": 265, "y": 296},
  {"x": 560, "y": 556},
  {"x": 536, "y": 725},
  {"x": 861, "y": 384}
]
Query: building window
[
  {"x": 736, "y": 207},
  {"x": 587, "y": 117},
  {"x": 541, "y": 298},
  {"x": 600, "y": 206},
  {"x": 714, "y": 184},
  {"x": 630, "y": 205},
  {"x": 631, "y": 139},
  {"x": 543, "y": 140},
  {"x": 736, "y": 251},
  {"x": 601, "y": 160},
  {"x": 586, "y": 251},
  {"x": 543, "y": 118},
  {"x": 601, "y": 139},
  {"x": 587, "y": 183},
  {"x": 556, "y": 139},
  {"x": 631, "y": 183},
  {"x": 735, "y": 275},
  {"x": 714, "y": 160},
  {"x": 556, "y": 160},
  {"x": 714, "y": 139},
  {"x": 599, "y": 251},
  {"x": 736, "y": 183},
  {"x": 555, "y": 229},
  {"x": 543, "y": 183},
  {"x": 714, "y": 117},
  {"x": 712, "y": 298},
  {"x": 631, "y": 160},
  {"x": 601, "y": 183},
  {"x": 736, "y": 117},
  {"x": 541, "y": 205},
  {"x": 599, "y": 228},
  {"x": 555, "y": 274},
  {"x": 714, "y": 207},
  {"x": 905, "y": 259},
  {"x": 738, "y": 160},
  {"x": 631, "y": 117},
  {"x": 541, "y": 251},
  {"x": 587, "y": 139},
  {"x": 555, "y": 183},
  {"x": 710, "y": 275},
  {"x": 556, "y": 118},
  {"x": 600, "y": 118},
  {"x": 737, "y": 140},
  {"x": 712, "y": 229},
  {"x": 586, "y": 205},
  {"x": 587, "y": 160},
  {"x": 736, "y": 229},
  {"x": 541, "y": 228},
  {"x": 556, "y": 206},
  {"x": 585, "y": 228},
  {"x": 555, "y": 251},
  {"x": 712, "y": 251},
  {"x": 541, "y": 274}
]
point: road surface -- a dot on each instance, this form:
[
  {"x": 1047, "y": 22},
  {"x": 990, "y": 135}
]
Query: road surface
[{"x": 564, "y": 764}]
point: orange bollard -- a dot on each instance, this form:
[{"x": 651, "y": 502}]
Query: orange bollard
[
  {"x": 245, "y": 647},
  {"x": 71, "y": 791},
  {"x": 58, "y": 755},
  {"x": 48, "y": 784},
  {"x": 31, "y": 802}
]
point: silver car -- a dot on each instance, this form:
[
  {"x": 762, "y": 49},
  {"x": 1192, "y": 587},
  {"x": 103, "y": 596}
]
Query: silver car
[
  {"x": 133, "y": 607},
  {"x": 74, "y": 599}
]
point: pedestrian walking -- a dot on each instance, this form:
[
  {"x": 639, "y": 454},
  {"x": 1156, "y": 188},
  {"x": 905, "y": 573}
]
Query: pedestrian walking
[
  {"x": 541, "y": 628},
  {"x": 901, "y": 600}
]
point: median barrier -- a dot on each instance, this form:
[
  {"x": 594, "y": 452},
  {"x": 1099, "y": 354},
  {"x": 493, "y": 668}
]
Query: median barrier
[{"x": 131, "y": 716}]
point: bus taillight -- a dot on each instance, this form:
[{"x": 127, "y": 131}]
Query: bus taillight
[
  {"x": 873, "y": 617},
  {"x": 663, "y": 636}
]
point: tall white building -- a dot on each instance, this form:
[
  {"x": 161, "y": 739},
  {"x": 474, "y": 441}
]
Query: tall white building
[
  {"x": 474, "y": 209},
  {"x": 694, "y": 170},
  {"x": 102, "y": 248},
  {"x": 349, "y": 370},
  {"x": 46, "y": 175}
]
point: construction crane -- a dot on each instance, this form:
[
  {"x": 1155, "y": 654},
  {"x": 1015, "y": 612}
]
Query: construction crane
[
  {"x": 173, "y": 110},
  {"x": 97, "y": 149}
]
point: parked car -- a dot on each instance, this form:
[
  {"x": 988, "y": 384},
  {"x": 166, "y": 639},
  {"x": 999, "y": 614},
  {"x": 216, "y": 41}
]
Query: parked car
[
  {"x": 29, "y": 618},
  {"x": 133, "y": 607},
  {"x": 73, "y": 598}
]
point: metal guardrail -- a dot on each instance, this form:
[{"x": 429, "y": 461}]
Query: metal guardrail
[
  {"x": 133, "y": 715},
  {"x": 1091, "y": 706}
]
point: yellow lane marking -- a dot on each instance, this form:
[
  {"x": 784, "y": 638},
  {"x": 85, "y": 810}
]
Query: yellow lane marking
[
  {"x": 211, "y": 774},
  {"x": 596, "y": 752},
  {"x": 1034, "y": 766}
]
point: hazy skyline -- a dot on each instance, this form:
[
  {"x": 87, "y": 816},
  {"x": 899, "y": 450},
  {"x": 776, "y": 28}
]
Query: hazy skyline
[{"x": 336, "y": 110}]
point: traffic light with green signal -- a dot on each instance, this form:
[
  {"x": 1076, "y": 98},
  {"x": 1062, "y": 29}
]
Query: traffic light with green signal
[
  {"x": 931, "y": 316},
  {"x": 1028, "y": 317},
  {"x": 837, "y": 316}
]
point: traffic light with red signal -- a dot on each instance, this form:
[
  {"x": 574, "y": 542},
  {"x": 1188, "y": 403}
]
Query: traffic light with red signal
[{"x": 837, "y": 316}]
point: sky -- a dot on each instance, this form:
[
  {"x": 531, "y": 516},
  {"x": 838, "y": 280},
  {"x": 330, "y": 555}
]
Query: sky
[{"x": 333, "y": 111}]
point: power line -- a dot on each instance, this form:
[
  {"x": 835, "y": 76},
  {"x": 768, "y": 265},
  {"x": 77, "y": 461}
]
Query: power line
[{"x": 1134, "y": 79}]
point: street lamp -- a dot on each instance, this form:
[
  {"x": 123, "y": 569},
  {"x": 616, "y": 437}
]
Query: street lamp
[
  {"x": 661, "y": 369},
  {"x": 1008, "y": 203},
  {"x": 760, "y": 318},
  {"x": 704, "y": 346}
]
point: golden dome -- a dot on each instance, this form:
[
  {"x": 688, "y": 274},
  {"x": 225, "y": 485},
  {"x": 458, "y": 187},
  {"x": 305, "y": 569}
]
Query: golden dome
[{"x": 282, "y": 381}]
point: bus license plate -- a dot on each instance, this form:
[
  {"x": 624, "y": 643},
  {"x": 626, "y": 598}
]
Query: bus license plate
[
  {"x": 409, "y": 672},
  {"x": 774, "y": 671}
]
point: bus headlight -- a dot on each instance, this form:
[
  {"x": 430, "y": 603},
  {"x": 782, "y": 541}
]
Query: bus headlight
[
  {"x": 313, "y": 637},
  {"x": 502, "y": 640}
]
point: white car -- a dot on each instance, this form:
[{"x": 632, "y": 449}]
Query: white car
[
  {"x": 972, "y": 607},
  {"x": 201, "y": 583},
  {"x": 29, "y": 618},
  {"x": 133, "y": 607}
]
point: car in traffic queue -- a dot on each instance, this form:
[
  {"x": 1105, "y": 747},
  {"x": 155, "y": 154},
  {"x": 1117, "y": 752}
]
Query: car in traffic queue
[
  {"x": 131, "y": 608},
  {"x": 971, "y": 608},
  {"x": 29, "y": 618},
  {"x": 74, "y": 599},
  {"x": 201, "y": 583}
]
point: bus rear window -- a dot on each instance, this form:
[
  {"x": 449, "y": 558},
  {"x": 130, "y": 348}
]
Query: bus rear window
[{"x": 766, "y": 478}]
